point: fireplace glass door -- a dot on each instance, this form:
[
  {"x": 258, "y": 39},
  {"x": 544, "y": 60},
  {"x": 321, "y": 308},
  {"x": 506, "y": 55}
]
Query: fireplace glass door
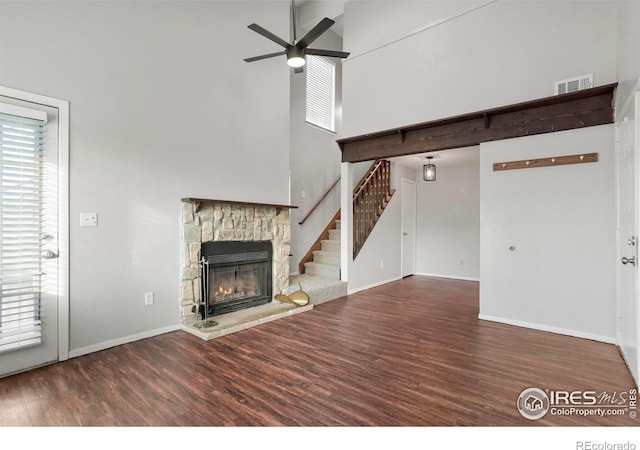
[
  {"x": 236, "y": 275},
  {"x": 244, "y": 281}
]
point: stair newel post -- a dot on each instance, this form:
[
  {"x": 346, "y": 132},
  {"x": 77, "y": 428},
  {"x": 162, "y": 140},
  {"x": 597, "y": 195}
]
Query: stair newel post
[
  {"x": 374, "y": 196},
  {"x": 379, "y": 173},
  {"x": 356, "y": 220},
  {"x": 380, "y": 178},
  {"x": 387, "y": 179}
]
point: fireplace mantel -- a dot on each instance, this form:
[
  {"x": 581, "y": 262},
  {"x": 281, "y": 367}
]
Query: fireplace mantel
[{"x": 198, "y": 201}]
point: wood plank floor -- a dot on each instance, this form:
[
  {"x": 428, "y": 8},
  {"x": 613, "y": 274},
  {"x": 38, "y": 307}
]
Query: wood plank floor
[{"x": 410, "y": 352}]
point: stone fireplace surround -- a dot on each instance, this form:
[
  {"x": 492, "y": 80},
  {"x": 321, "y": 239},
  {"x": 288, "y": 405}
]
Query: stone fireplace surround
[{"x": 221, "y": 220}]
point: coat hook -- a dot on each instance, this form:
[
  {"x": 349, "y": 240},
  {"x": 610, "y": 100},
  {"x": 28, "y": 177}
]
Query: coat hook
[{"x": 546, "y": 161}]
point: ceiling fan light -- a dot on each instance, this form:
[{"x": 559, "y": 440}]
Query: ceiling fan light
[
  {"x": 295, "y": 57},
  {"x": 296, "y": 61}
]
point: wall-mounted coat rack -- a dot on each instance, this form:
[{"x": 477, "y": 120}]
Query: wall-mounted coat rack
[{"x": 546, "y": 162}]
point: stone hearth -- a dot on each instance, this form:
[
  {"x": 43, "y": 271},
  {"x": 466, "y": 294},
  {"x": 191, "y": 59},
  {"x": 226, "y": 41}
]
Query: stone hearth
[{"x": 217, "y": 220}]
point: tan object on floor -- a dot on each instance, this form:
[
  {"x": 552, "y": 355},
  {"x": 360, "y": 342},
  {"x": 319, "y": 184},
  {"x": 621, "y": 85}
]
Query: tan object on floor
[{"x": 298, "y": 297}]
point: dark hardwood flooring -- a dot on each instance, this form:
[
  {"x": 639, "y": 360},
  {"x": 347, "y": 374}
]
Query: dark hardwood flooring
[{"x": 412, "y": 352}]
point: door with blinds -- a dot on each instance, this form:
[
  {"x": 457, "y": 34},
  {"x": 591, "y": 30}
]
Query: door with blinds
[{"x": 29, "y": 235}]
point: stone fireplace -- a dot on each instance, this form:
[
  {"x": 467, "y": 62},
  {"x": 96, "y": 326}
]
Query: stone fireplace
[{"x": 237, "y": 239}]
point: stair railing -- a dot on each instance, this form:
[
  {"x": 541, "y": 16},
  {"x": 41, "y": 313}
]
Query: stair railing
[
  {"x": 317, "y": 245},
  {"x": 325, "y": 233},
  {"x": 315, "y": 206},
  {"x": 370, "y": 198}
]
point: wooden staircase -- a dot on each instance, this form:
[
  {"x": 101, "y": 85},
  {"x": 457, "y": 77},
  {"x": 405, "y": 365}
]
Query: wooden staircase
[
  {"x": 320, "y": 274},
  {"x": 320, "y": 268},
  {"x": 370, "y": 198},
  {"x": 325, "y": 261}
]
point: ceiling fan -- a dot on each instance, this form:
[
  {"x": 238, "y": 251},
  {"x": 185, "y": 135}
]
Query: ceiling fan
[{"x": 298, "y": 49}]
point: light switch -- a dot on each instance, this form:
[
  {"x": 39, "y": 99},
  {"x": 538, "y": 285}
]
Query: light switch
[{"x": 88, "y": 219}]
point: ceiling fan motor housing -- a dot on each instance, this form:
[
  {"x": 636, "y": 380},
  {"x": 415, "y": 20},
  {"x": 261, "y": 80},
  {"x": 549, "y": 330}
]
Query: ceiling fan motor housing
[{"x": 295, "y": 56}]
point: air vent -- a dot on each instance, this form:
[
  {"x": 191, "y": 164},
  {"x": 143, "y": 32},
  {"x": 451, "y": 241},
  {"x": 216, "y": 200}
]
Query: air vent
[{"x": 573, "y": 84}]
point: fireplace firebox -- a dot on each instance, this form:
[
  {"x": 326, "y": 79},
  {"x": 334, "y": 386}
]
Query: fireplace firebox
[{"x": 235, "y": 275}]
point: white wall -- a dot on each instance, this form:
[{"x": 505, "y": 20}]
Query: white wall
[
  {"x": 628, "y": 70},
  {"x": 465, "y": 60},
  {"x": 379, "y": 260},
  {"x": 448, "y": 218},
  {"x": 561, "y": 221},
  {"x": 314, "y": 161},
  {"x": 372, "y": 24},
  {"x": 503, "y": 53},
  {"x": 162, "y": 107},
  {"x": 628, "y": 67}
]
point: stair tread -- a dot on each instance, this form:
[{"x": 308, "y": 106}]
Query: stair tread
[
  {"x": 319, "y": 289},
  {"x": 321, "y": 265},
  {"x": 326, "y": 252},
  {"x": 312, "y": 280}
]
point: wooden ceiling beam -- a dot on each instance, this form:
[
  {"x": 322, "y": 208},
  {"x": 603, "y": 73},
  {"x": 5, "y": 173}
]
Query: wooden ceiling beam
[{"x": 586, "y": 108}]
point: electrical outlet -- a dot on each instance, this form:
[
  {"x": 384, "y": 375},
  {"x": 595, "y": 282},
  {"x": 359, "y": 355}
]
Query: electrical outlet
[
  {"x": 462, "y": 262},
  {"x": 382, "y": 264},
  {"x": 148, "y": 299},
  {"x": 88, "y": 219}
]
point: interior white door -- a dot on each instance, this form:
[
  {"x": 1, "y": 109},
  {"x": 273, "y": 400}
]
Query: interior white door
[
  {"x": 627, "y": 193},
  {"x": 29, "y": 241},
  {"x": 408, "y": 227}
]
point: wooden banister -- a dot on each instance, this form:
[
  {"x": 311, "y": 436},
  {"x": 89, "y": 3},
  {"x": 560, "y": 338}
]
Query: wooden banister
[
  {"x": 317, "y": 245},
  {"x": 366, "y": 178},
  {"x": 335, "y": 183},
  {"x": 370, "y": 198}
]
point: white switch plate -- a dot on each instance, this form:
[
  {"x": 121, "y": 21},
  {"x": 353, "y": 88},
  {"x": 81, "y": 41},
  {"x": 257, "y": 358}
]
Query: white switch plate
[
  {"x": 148, "y": 298},
  {"x": 88, "y": 219}
]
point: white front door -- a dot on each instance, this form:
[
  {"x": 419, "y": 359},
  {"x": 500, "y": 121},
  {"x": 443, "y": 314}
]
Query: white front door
[
  {"x": 627, "y": 193},
  {"x": 408, "y": 227},
  {"x": 33, "y": 318}
]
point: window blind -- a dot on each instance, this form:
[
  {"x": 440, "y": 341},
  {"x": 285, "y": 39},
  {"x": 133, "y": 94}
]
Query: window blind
[
  {"x": 21, "y": 174},
  {"x": 321, "y": 92}
]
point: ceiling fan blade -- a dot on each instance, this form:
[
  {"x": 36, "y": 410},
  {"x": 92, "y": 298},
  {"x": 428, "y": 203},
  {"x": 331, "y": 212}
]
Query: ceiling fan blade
[
  {"x": 298, "y": 69},
  {"x": 270, "y": 55},
  {"x": 332, "y": 53},
  {"x": 269, "y": 35},
  {"x": 315, "y": 32}
]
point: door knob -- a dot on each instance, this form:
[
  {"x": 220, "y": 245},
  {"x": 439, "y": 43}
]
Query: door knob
[
  {"x": 631, "y": 260},
  {"x": 49, "y": 254}
]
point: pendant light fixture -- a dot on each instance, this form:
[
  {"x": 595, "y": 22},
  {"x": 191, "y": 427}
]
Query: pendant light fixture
[{"x": 429, "y": 170}]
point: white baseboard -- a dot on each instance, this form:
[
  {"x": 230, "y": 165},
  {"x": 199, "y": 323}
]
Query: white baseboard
[
  {"x": 371, "y": 286},
  {"x": 550, "y": 329},
  {"x": 451, "y": 277},
  {"x": 123, "y": 340}
]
